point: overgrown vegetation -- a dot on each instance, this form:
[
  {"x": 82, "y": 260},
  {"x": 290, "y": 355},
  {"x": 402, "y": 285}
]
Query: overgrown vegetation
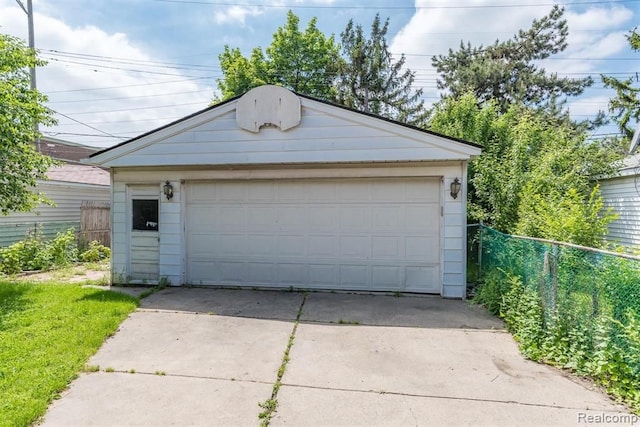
[
  {"x": 47, "y": 334},
  {"x": 34, "y": 253},
  {"x": 575, "y": 309}
]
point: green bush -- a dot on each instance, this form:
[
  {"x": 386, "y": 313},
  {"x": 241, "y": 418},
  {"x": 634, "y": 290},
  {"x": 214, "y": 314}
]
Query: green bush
[
  {"x": 568, "y": 307},
  {"x": 95, "y": 252},
  {"x": 33, "y": 253}
]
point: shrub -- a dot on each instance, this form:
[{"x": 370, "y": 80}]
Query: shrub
[
  {"x": 33, "y": 253},
  {"x": 63, "y": 249},
  {"x": 95, "y": 252}
]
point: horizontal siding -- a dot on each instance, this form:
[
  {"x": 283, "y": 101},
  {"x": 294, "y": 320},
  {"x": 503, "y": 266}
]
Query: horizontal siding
[
  {"x": 623, "y": 196},
  {"x": 12, "y": 233},
  {"x": 321, "y": 137},
  {"x": 51, "y": 219}
]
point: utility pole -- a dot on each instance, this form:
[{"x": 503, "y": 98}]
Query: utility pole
[{"x": 32, "y": 70}]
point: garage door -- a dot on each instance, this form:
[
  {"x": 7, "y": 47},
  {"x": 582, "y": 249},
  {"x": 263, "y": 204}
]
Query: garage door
[{"x": 358, "y": 234}]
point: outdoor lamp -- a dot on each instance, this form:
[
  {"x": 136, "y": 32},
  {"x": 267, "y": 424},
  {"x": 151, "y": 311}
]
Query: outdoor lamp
[
  {"x": 455, "y": 188},
  {"x": 167, "y": 189}
]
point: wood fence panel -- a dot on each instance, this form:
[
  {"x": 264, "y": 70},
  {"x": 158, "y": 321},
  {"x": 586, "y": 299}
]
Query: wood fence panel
[{"x": 95, "y": 222}]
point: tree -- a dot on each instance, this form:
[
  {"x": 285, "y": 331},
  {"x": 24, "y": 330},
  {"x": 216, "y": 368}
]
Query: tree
[
  {"x": 530, "y": 171},
  {"x": 240, "y": 74},
  {"x": 305, "y": 62},
  {"x": 20, "y": 109},
  {"x": 626, "y": 104},
  {"x": 505, "y": 73},
  {"x": 371, "y": 81}
]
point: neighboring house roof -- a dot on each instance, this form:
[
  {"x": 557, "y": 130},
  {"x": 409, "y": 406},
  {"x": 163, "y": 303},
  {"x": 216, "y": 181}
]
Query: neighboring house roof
[
  {"x": 79, "y": 174},
  {"x": 341, "y": 135},
  {"x": 65, "y": 150}
]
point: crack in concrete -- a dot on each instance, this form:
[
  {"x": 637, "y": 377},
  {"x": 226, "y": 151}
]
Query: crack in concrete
[
  {"x": 270, "y": 405},
  {"x": 429, "y": 396},
  {"x": 164, "y": 374}
]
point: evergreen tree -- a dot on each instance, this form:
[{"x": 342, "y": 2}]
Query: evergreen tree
[
  {"x": 372, "y": 81},
  {"x": 505, "y": 72},
  {"x": 626, "y": 104}
]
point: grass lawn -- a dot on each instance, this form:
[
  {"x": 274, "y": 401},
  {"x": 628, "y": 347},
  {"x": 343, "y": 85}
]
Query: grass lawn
[{"x": 48, "y": 331}]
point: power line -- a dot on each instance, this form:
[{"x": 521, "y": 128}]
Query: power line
[
  {"x": 360, "y": 7},
  {"x": 84, "y": 124}
]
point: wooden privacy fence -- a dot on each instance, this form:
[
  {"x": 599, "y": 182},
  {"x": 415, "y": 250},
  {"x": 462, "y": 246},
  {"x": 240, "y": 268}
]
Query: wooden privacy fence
[{"x": 95, "y": 222}]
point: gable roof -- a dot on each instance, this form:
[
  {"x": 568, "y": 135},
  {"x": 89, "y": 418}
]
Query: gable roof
[
  {"x": 79, "y": 174},
  {"x": 340, "y": 116},
  {"x": 65, "y": 150}
]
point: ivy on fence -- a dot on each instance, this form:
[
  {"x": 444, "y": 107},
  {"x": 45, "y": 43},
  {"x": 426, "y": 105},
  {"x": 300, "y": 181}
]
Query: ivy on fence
[{"x": 570, "y": 306}]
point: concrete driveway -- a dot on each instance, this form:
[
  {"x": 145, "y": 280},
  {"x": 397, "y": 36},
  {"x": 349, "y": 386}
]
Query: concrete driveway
[{"x": 208, "y": 357}]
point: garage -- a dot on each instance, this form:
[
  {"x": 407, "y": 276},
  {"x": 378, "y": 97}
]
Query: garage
[
  {"x": 357, "y": 234},
  {"x": 275, "y": 189}
]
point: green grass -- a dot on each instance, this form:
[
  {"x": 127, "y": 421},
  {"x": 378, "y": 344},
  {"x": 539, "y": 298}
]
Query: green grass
[{"x": 48, "y": 331}]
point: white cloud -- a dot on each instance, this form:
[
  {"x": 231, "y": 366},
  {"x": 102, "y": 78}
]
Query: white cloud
[
  {"x": 237, "y": 14},
  {"x": 105, "y": 80}
]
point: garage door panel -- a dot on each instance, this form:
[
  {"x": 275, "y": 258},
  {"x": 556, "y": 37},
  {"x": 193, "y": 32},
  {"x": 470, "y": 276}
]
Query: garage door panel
[
  {"x": 419, "y": 219},
  {"x": 229, "y": 245},
  {"x": 291, "y": 191},
  {"x": 292, "y": 274},
  {"x": 422, "y": 279},
  {"x": 323, "y": 275},
  {"x": 262, "y": 273},
  {"x": 260, "y": 191},
  {"x": 355, "y": 219},
  {"x": 322, "y": 218},
  {"x": 361, "y": 234},
  {"x": 231, "y": 191},
  {"x": 230, "y": 218},
  {"x": 355, "y": 246},
  {"x": 385, "y": 276},
  {"x": 422, "y": 248},
  {"x": 292, "y": 218},
  {"x": 354, "y": 276},
  {"x": 261, "y": 245},
  {"x": 354, "y": 193},
  {"x": 292, "y": 246},
  {"x": 232, "y": 272},
  {"x": 321, "y": 192},
  {"x": 323, "y": 246},
  {"x": 385, "y": 247},
  {"x": 261, "y": 218}
]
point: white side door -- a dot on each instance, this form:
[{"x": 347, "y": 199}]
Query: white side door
[{"x": 144, "y": 233}]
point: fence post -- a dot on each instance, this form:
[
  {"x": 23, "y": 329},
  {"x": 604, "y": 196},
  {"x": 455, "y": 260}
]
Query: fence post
[
  {"x": 480, "y": 250},
  {"x": 554, "y": 277}
]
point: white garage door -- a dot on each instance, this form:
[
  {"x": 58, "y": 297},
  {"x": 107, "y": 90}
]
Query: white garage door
[{"x": 358, "y": 234}]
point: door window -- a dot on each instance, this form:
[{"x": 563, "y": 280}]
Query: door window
[{"x": 145, "y": 214}]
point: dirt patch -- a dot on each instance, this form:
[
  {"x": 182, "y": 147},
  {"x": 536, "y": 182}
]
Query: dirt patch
[{"x": 73, "y": 274}]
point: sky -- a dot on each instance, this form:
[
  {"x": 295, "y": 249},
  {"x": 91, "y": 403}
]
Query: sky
[{"x": 120, "y": 68}]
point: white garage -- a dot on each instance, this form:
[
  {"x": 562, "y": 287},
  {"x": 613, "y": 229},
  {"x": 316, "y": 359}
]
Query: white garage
[{"x": 277, "y": 190}]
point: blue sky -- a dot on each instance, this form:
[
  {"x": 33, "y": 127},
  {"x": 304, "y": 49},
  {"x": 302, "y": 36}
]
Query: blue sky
[{"x": 122, "y": 67}]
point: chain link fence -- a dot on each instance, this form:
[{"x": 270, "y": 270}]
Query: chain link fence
[{"x": 568, "y": 305}]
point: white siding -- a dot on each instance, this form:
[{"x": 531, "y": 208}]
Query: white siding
[
  {"x": 623, "y": 196},
  {"x": 172, "y": 244},
  {"x": 326, "y": 134},
  {"x": 66, "y": 212}
]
